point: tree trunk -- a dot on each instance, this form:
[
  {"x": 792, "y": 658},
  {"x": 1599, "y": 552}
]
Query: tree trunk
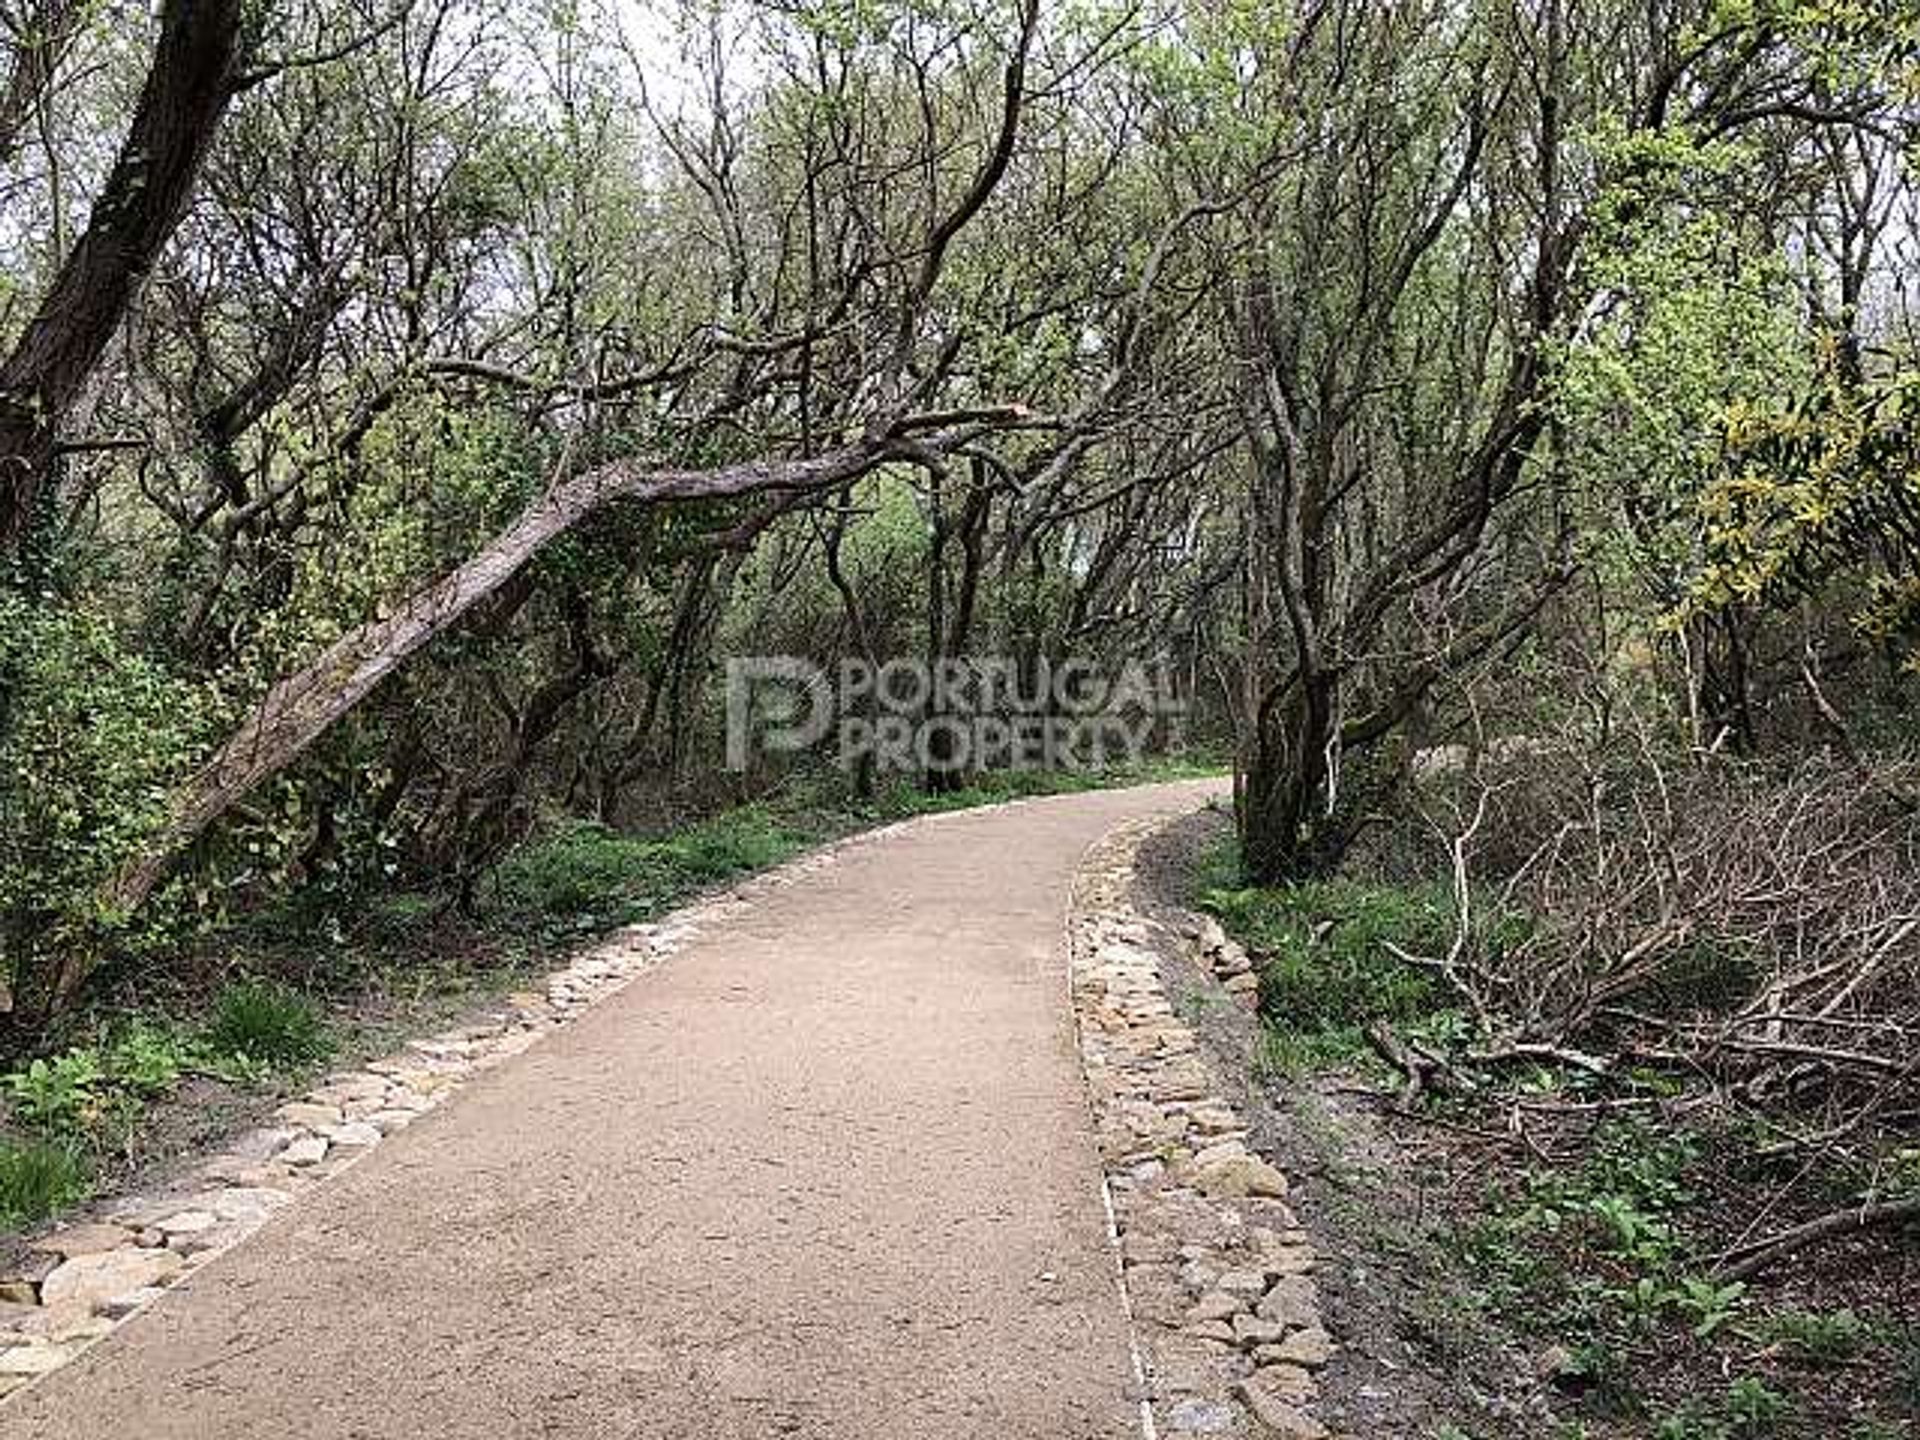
[
  {"x": 1287, "y": 832},
  {"x": 187, "y": 91},
  {"x": 950, "y": 627}
]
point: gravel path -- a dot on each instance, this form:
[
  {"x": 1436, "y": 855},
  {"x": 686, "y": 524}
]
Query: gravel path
[{"x": 827, "y": 1173}]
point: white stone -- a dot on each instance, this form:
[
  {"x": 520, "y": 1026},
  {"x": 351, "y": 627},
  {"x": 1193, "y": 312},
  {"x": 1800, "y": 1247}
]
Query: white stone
[
  {"x": 308, "y": 1150},
  {"x": 99, "y": 1279},
  {"x": 309, "y": 1113},
  {"x": 84, "y": 1240},
  {"x": 189, "y": 1222},
  {"x": 35, "y": 1358}
]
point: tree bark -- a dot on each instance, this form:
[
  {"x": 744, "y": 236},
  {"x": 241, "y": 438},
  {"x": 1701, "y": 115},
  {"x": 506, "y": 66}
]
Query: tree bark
[{"x": 187, "y": 91}]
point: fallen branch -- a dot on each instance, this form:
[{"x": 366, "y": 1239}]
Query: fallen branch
[
  {"x": 1748, "y": 1260},
  {"x": 1423, "y": 1069}
]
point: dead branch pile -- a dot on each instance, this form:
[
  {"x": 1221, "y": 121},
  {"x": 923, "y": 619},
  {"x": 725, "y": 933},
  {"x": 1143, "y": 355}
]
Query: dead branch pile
[{"x": 1750, "y": 930}]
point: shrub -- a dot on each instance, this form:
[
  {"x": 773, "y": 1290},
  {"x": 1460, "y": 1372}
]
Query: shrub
[
  {"x": 39, "y": 1178},
  {"x": 91, "y": 737},
  {"x": 58, "y": 1096},
  {"x": 267, "y": 1024},
  {"x": 147, "y": 1057}
]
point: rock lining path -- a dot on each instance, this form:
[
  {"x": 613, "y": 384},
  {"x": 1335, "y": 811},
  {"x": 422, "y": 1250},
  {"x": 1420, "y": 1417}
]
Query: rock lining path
[{"x": 827, "y": 1173}]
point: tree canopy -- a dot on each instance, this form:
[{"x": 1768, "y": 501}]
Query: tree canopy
[{"x": 409, "y": 407}]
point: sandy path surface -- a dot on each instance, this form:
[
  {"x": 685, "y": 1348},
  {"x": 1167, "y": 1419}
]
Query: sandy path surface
[{"x": 826, "y": 1173}]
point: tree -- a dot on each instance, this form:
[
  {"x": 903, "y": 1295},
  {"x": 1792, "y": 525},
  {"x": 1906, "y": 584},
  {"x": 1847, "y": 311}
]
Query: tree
[
  {"x": 302, "y": 706},
  {"x": 1414, "y": 258},
  {"x": 193, "y": 77}
]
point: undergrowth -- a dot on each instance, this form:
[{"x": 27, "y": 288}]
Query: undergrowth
[{"x": 1597, "y": 1247}]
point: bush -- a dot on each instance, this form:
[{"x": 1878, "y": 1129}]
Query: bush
[
  {"x": 37, "y": 1179},
  {"x": 147, "y": 1058},
  {"x": 267, "y": 1024},
  {"x": 61, "y": 1095},
  {"x": 90, "y": 1097},
  {"x": 91, "y": 738}
]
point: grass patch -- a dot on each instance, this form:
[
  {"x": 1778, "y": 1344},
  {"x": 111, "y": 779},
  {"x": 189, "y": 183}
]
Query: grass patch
[
  {"x": 1326, "y": 969},
  {"x": 40, "y": 1178},
  {"x": 265, "y": 1023},
  {"x": 1327, "y": 953},
  {"x": 1818, "y": 1340},
  {"x": 583, "y": 877}
]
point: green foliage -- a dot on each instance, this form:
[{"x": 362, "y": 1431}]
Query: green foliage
[
  {"x": 1698, "y": 318},
  {"x": 1326, "y": 951},
  {"x": 268, "y": 1024},
  {"x": 90, "y": 1096},
  {"x": 1748, "y": 1409},
  {"x": 1815, "y": 1339},
  {"x": 1705, "y": 1305},
  {"x": 39, "y": 1178},
  {"x": 1819, "y": 489},
  {"x": 1642, "y": 1161},
  {"x": 1288, "y": 1054},
  {"x": 1878, "y": 1430},
  {"x": 1597, "y": 1250},
  {"x": 58, "y": 1095},
  {"x": 1906, "y": 1365},
  {"x": 582, "y": 876},
  {"x": 1691, "y": 1421},
  {"x": 147, "y": 1057},
  {"x": 1752, "y": 1408},
  {"x": 91, "y": 738}
]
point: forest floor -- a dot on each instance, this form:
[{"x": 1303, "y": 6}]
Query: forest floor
[
  {"x": 1533, "y": 1263},
  {"x": 828, "y": 1167}
]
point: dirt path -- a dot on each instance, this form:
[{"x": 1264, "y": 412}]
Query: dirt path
[{"x": 826, "y": 1174}]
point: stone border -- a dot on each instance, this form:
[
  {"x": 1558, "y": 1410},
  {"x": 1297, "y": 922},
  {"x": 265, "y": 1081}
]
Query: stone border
[
  {"x": 84, "y": 1280},
  {"x": 1215, "y": 1271}
]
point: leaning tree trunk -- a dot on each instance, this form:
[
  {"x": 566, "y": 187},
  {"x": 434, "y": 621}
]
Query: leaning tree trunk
[{"x": 302, "y": 707}]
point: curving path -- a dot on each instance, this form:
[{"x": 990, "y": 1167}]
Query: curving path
[{"x": 827, "y": 1173}]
